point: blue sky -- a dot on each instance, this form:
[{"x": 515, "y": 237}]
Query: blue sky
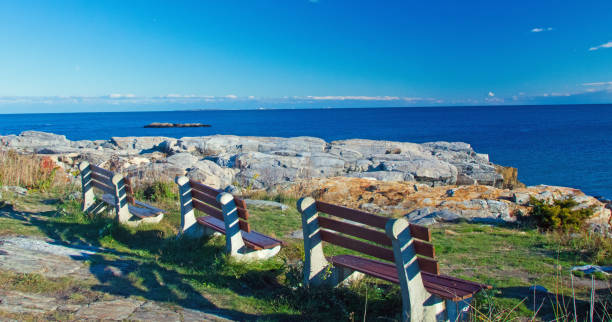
[{"x": 142, "y": 55}]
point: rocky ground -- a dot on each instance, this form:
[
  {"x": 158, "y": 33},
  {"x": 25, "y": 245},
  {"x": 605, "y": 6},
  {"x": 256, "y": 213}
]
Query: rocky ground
[
  {"x": 437, "y": 181},
  {"x": 29, "y": 257},
  {"x": 260, "y": 162}
]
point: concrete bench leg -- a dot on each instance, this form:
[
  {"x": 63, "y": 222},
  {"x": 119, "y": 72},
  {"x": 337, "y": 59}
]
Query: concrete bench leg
[
  {"x": 121, "y": 202},
  {"x": 234, "y": 244},
  {"x": 189, "y": 226},
  {"x": 317, "y": 270},
  {"x": 86, "y": 187},
  {"x": 417, "y": 303}
]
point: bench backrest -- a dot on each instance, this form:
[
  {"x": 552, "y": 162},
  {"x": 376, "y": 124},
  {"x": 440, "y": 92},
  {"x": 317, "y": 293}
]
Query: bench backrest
[
  {"x": 204, "y": 199},
  {"x": 377, "y": 243},
  {"x": 102, "y": 179}
]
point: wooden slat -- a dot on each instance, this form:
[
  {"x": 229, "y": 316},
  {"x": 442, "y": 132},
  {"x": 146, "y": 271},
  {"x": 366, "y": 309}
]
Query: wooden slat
[
  {"x": 102, "y": 171},
  {"x": 357, "y": 245},
  {"x": 420, "y": 232},
  {"x": 253, "y": 239},
  {"x": 354, "y": 230},
  {"x": 444, "y": 286},
  {"x": 129, "y": 191},
  {"x": 429, "y": 265},
  {"x": 244, "y": 226},
  {"x": 100, "y": 178},
  {"x": 204, "y": 188},
  {"x": 209, "y": 210},
  {"x": 421, "y": 248},
  {"x": 204, "y": 197},
  {"x": 103, "y": 187},
  {"x": 242, "y": 208},
  {"x": 352, "y": 214}
]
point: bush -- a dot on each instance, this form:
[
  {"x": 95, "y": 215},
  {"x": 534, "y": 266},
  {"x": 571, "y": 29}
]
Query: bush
[
  {"x": 159, "y": 190},
  {"x": 561, "y": 215}
]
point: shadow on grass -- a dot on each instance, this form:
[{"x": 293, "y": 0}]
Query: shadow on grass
[{"x": 151, "y": 268}]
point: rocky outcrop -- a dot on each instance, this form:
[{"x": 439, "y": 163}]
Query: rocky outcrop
[
  {"x": 261, "y": 162},
  {"x": 426, "y": 205}
]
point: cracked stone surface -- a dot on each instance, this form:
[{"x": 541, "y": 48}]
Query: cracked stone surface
[
  {"x": 31, "y": 255},
  {"x": 119, "y": 309},
  {"x": 53, "y": 259}
]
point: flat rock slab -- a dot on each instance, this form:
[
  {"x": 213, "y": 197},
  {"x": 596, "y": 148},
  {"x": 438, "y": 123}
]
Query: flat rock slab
[
  {"x": 50, "y": 259},
  {"x": 119, "y": 309},
  {"x": 19, "y": 303}
]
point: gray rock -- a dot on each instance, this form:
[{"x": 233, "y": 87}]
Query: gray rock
[
  {"x": 16, "y": 189},
  {"x": 158, "y": 143},
  {"x": 520, "y": 198},
  {"x": 119, "y": 309},
  {"x": 389, "y": 176},
  {"x": 266, "y": 203},
  {"x": 182, "y": 160}
]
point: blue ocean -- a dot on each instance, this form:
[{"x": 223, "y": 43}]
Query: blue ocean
[{"x": 568, "y": 145}]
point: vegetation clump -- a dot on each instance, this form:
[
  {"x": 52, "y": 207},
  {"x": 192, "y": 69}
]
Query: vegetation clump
[
  {"x": 159, "y": 190},
  {"x": 560, "y": 215}
]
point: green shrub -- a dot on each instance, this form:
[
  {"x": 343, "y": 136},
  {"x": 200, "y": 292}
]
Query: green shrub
[
  {"x": 159, "y": 190},
  {"x": 561, "y": 215}
]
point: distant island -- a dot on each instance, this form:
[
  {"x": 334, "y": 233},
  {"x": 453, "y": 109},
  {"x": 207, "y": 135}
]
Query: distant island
[{"x": 163, "y": 125}]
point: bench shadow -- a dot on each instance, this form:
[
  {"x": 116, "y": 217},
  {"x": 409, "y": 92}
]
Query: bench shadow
[{"x": 128, "y": 275}]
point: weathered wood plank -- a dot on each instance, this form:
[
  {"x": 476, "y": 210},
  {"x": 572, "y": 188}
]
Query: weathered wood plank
[
  {"x": 352, "y": 214},
  {"x": 357, "y": 245}
]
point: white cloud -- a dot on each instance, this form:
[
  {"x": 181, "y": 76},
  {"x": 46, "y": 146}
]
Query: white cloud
[
  {"x": 491, "y": 94},
  {"x": 606, "y": 45},
  {"x": 542, "y": 29},
  {"x": 232, "y": 96},
  {"x": 360, "y": 98},
  {"x": 597, "y": 84},
  {"x": 121, "y": 95}
]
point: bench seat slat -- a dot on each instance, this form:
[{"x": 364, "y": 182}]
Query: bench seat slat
[
  {"x": 252, "y": 239},
  {"x": 444, "y": 286},
  {"x": 421, "y": 248},
  {"x": 218, "y": 214},
  {"x": 145, "y": 212}
]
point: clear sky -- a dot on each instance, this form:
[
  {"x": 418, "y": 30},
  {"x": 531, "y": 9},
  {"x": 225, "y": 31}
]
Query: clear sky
[{"x": 142, "y": 55}]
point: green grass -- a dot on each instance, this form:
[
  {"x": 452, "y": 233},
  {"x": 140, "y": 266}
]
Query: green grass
[{"x": 197, "y": 274}]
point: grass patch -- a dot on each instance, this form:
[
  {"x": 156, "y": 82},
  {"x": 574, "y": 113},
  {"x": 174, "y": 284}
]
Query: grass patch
[{"x": 154, "y": 265}]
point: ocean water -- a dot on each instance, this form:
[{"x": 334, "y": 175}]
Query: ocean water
[{"x": 568, "y": 145}]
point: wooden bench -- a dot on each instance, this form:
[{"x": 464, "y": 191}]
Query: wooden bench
[
  {"x": 407, "y": 258},
  {"x": 118, "y": 193},
  {"x": 224, "y": 213}
]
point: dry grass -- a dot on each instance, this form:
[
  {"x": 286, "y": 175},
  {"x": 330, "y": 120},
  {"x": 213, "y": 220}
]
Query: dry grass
[{"x": 30, "y": 171}]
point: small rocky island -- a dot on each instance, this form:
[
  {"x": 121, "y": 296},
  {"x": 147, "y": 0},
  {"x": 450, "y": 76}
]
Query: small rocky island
[{"x": 166, "y": 125}]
